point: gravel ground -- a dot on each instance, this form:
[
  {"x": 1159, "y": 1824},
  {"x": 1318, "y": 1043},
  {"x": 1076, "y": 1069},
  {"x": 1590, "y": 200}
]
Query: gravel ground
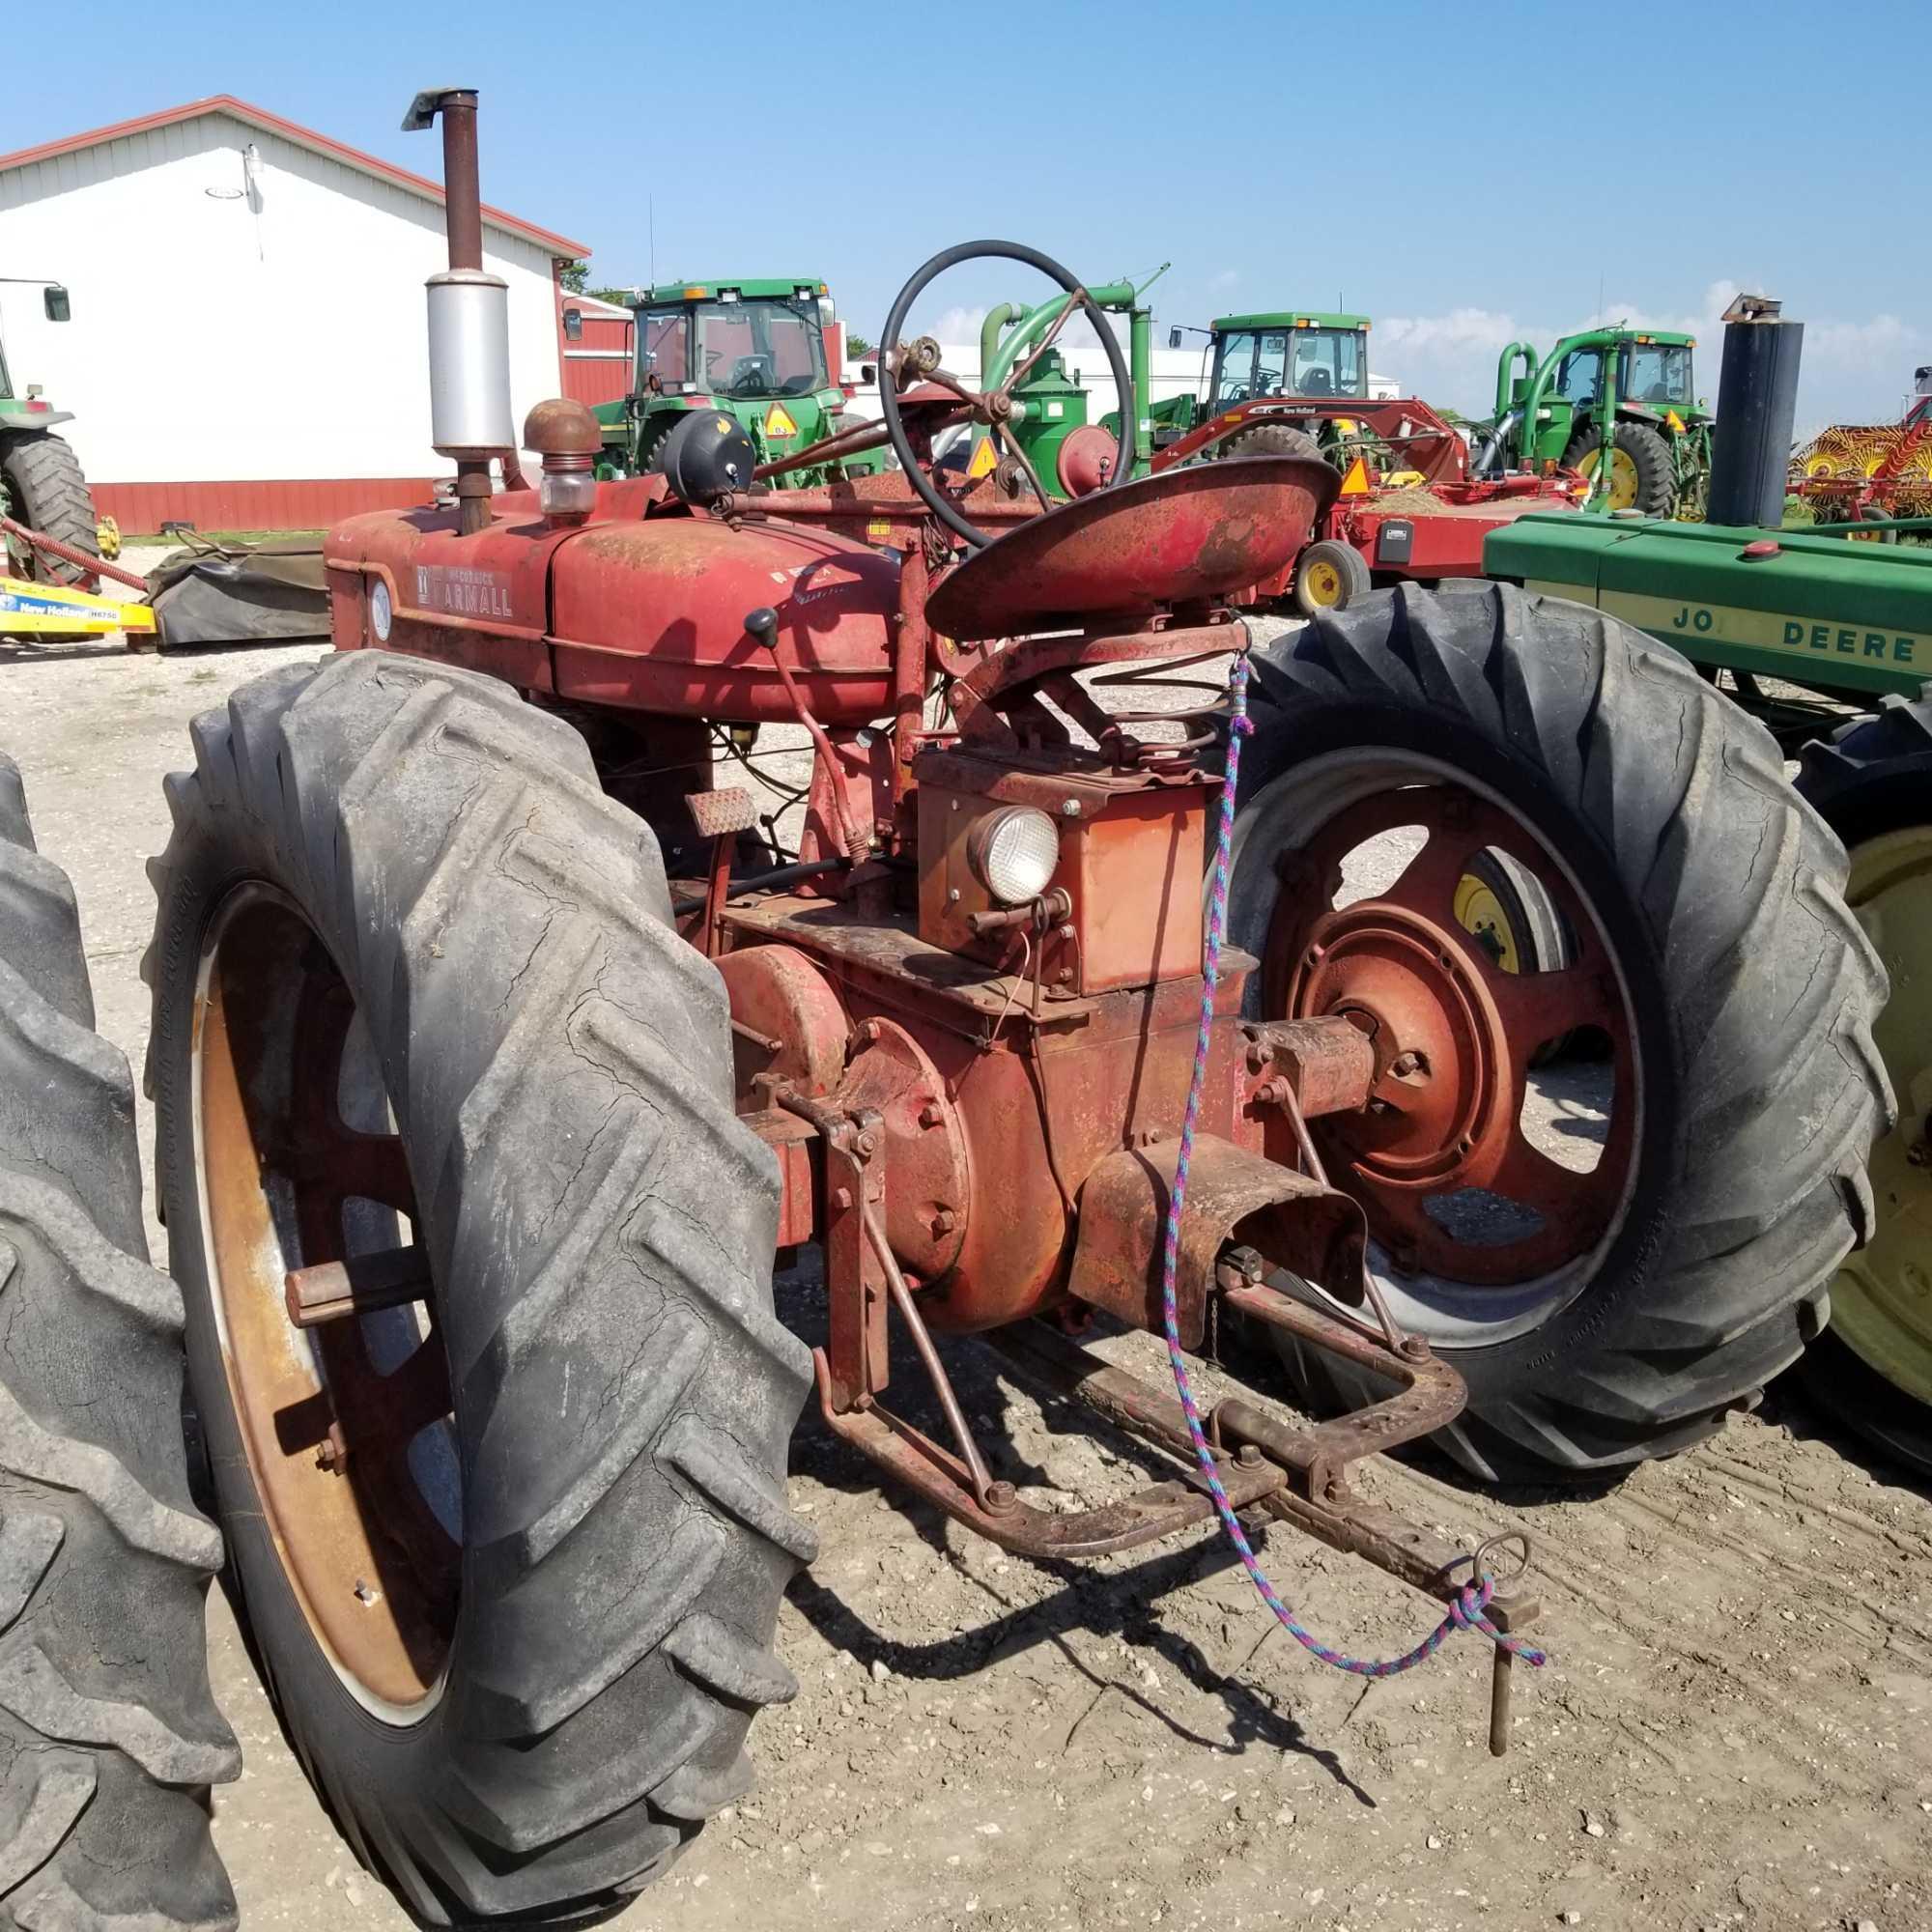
[{"x": 1732, "y": 1732}]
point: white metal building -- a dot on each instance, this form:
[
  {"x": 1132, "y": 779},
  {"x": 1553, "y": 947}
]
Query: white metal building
[{"x": 247, "y": 345}]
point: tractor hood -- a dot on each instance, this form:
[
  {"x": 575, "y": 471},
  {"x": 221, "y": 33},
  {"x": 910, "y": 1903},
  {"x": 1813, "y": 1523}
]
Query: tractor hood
[{"x": 642, "y": 607}]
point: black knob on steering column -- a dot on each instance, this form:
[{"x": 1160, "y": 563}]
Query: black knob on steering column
[{"x": 761, "y": 626}]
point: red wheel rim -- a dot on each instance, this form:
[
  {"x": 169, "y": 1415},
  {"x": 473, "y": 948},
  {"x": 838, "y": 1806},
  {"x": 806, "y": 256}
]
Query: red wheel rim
[{"x": 1454, "y": 1035}]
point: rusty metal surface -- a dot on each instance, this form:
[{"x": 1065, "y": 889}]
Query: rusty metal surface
[
  {"x": 1126, "y": 921},
  {"x": 910, "y": 1456},
  {"x": 928, "y": 1198},
  {"x": 1234, "y": 1196},
  {"x": 1339, "y": 1517},
  {"x": 326, "y": 1434},
  {"x": 360, "y": 1285},
  {"x": 794, "y": 1026},
  {"x": 1186, "y": 536},
  {"x": 1328, "y": 1062}
]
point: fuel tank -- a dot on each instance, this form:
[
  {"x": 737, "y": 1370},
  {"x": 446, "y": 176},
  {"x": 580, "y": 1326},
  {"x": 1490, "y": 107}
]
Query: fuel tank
[{"x": 642, "y": 607}]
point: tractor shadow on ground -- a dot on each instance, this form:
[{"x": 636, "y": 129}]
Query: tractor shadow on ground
[{"x": 1123, "y": 1603}]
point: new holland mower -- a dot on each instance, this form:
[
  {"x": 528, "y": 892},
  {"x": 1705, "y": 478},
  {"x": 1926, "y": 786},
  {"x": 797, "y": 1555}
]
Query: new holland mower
[{"x": 1114, "y": 981}]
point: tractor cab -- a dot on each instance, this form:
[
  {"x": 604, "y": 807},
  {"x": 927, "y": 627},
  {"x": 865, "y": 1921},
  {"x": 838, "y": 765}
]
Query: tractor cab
[
  {"x": 1633, "y": 390},
  {"x": 765, "y": 352},
  {"x": 1308, "y": 354}
]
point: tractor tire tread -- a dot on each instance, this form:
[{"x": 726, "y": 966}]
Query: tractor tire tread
[
  {"x": 108, "y": 1732},
  {"x": 1770, "y": 987},
  {"x": 624, "y": 1392}
]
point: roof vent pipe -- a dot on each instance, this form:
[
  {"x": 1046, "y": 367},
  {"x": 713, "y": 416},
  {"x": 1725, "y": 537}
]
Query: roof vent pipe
[{"x": 468, "y": 317}]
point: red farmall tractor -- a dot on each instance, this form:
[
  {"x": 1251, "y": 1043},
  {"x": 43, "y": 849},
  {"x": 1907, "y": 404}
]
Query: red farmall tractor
[{"x": 499, "y": 1062}]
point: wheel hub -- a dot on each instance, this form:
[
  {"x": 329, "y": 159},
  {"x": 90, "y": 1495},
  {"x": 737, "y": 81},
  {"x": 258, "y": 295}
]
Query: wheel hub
[
  {"x": 1455, "y": 1187},
  {"x": 1437, "y": 1100}
]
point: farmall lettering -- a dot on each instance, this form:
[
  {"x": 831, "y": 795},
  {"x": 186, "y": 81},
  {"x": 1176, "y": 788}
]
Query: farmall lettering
[{"x": 463, "y": 593}]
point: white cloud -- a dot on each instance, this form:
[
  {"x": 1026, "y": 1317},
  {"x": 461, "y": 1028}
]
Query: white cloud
[{"x": 1227, "y": 279}]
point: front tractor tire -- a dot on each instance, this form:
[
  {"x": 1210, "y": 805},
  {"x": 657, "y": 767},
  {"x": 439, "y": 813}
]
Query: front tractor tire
[
  {"x": 1609, "y": 1186},
  {"x": 511, "y": 1554},
  {"x": 110, "y": 1737}
]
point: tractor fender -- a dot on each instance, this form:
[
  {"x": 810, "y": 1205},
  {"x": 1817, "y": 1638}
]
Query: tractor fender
[
  {"x": 12, "y": 425},
  {"x": 1233, "y": 1194}
]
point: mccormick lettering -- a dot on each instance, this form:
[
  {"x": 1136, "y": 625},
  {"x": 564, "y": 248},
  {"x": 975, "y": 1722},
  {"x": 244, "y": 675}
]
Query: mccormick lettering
[{"x": 463, "y": 593}]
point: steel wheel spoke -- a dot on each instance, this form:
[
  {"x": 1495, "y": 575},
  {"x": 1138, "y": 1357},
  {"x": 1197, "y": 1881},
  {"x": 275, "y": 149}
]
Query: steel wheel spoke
[
  {"x": 1428, "y": 883},
  {"x": 1537, "y": 1008},
  {"x": 372, "y": 1167}
]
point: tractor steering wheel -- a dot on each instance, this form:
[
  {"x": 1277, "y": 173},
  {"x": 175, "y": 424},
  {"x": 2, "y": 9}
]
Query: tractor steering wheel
[{"x": 994, "y": 408}]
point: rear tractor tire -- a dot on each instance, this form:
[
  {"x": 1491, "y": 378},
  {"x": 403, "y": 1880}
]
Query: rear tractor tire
[
  {"x": 1640, "y": 473},
  {"x": 512, "y": 1551},
  {"x": 1873, "y": 1367},
  {"x": 108, "y": 1735},
  {"x": 1617, "y": 1241}
]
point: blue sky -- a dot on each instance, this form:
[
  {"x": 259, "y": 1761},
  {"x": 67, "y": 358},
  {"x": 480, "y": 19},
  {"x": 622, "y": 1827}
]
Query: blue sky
[{"x": 1465, "y": 174}]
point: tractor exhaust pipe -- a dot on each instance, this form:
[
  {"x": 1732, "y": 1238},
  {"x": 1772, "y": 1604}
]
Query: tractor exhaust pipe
[
  {"x": 468, "y": 317},
  {"x": 1757, "y": 406}
]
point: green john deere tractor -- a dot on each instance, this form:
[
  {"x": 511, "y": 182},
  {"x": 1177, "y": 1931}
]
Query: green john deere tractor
[
  {"x": 1632, "y": 391},
  {"x": 40, "y": 481},
  {"x": 1307, "y": 354},
  {"x": 753, "y": 349}
]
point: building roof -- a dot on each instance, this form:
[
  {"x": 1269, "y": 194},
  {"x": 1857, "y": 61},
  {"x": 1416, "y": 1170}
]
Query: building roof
[{"x": 305, "y": 137}]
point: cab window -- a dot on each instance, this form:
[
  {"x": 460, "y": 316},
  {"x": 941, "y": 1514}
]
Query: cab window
[{"x": 1658, "y": 373}]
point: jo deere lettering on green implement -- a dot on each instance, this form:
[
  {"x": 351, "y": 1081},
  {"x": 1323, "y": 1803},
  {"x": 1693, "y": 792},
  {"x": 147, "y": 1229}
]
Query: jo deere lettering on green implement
[{"x": 1775, "y": 631}]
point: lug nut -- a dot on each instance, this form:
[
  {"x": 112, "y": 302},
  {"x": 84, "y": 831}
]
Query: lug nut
[
  {"x": 869, "y": 1030},
  {"x": 931, "y": 1114},
  {"x": 1001, "y": 1496},
  {"x": 841, "y": 1199},
  {"x": 944, "y": 1221},
  {"x": 866, "y": 1143}
]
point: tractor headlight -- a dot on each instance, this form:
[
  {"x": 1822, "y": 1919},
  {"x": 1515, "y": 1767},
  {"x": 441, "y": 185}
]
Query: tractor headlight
[
  {"x": 380, "y": 612},
  {"x": 1013, "y": 853}
]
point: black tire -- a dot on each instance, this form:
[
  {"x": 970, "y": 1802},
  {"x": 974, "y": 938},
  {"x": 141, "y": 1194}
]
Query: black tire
[
  {"x": 1647, "y": 450},
  {"x": 559, "y": 1066},
  {"x": 1270, "y": 439},
  {"x": 1751, "y": 989},
  {"x": 108, "y": 1734},
  {"x": 45, "y": 490},
  {"x": 1349, "y": 575},
  {"x": 1874, "y": 778}
]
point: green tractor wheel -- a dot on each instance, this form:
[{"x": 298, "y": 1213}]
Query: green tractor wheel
[
  {"x": 1873, "y": 1367},
  {"x": 1639, "y": 466}
]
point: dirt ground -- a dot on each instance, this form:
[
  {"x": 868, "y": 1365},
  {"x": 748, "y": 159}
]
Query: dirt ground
[{"x": 1732, "y": 1731}]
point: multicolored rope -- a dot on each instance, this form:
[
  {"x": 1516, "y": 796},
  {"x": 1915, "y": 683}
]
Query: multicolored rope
[{"x": 1465, "y": 1610}]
